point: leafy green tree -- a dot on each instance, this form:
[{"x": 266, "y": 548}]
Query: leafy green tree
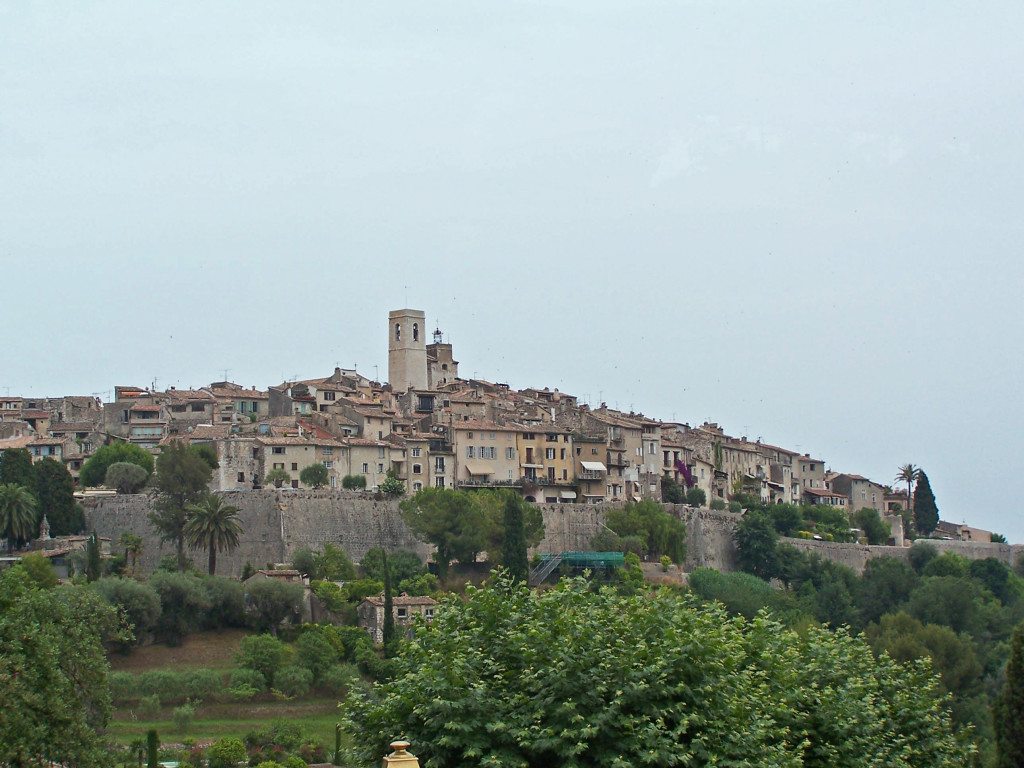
[
  {"x": 886, "y": 584},
  {"x": 994, "y": 575},
  {"x": 947, "y": 564},
  {"x": 17, "y": 514},
  {"x": 926, "y": 511},
  {"x": 315, "y": 476},
  {"x": 181, "y": 479},
  {"x": 402, "y": 564},
  {"x": 315, "y": 652},
  {"x": 869, "y": 521},
  {"x": 998, "y": 538},
  {"x": 94, "y": 470},
  {"x": 513, "y": 549},
  {"x": 450, "y": 521},
  {"x": 53, "y": 674},
  {"x": 662, "y": 533},
  {"x": 183, "y": 601},
  {"x": 39, "y": 570},
  {"x": 263, "y": 653},
  {"x": 921, "y": 554},
  {"x": 16, "y": 468},
  {"x": 212, "y": 525},
  {"x": 133, "y": 547},
  {"x": 304, "y": 561},
  {"x": 786, "y": 518},
  {"x": 125, "y": 477},
  {"x": 1008, "y": 712},
  {"x": 509, "y": 677},
  {"x": 756, "y": 541},
  {"x": 491, "y": 503},
  {"x": 962, "y": 604},
  {"x": 672, "y": 492},
  {"x": 353, "y": 482},
  {"x": 137, "y": 603},
  {"x": 392, "y": 486},
  {"x": 207, "y": 453},
  {"x": 55, "y": 493},
  {"x": 277, "y": 477},
  {"x": 271, "y": 602}
]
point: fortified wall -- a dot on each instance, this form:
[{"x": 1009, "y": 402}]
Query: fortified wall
[{"x": 278, "y": 522}]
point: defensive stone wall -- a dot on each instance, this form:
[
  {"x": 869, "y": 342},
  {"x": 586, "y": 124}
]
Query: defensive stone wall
[{"x": 278, "y": 522}]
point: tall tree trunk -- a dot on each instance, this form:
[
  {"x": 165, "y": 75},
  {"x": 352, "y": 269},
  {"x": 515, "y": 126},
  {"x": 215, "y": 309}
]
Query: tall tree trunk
[
  {"x": 181, "y": 553},
  {"x": 213, "y": 558}
]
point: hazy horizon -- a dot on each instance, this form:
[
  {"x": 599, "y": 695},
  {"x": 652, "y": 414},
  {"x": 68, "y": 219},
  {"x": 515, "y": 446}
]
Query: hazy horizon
[{"x": 798, "y": 220}]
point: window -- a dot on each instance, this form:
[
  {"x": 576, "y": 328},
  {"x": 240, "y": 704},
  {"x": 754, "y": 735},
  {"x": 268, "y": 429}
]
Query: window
[
  {"x": 439, "y": 464},
  {"x": 549, "y": 453},
  {"x": 439, "y": 482},
  {"x": 428, "y": 613},
  {"x": 470, "y": 452},
  {"x": 278, "y": 449},
  {"x": 198, "y": 408},
  {"x": 551, "y": 473},
  {"x": 403, "y": 613},
  {"x": 329, "y": 464},
  {"x": 380, "y": 435},
  {"x": 469, "y": 435},
  {"x": 510, "y": 453},
  {"x": 565, "y": 474},
  {"x": 295, "y": 466},
  {"x": 327, "y": 450},
  {"x": 255, "y": 406},
  {"x": 527, "y": 435},
  {"x": 380, "y": 452},
  {"x": 492, "y": 435},
  {"x": 651, "y": 451},
  {"x": 494, "y": 452},
  {"x": 416, "y": 452},
  {"x": 279, "y": 465},
  {"x": 593, "y": 451},
  {"x": 366, "y": 467},
  {"x": 328, "y": 395},
  {"x": 415, "y": 331},
  {"x": 380, "y": 467},
  {"x": 241, "y": 477},
  {"x": 562, "y": 454},
  {"x": 295, "y": 483},
  {"x": 417, "y": 486},
  {"x": 178, "y": 408},
  {"x": 398, "y": 332},
  {"x": 417, "y": 469}
]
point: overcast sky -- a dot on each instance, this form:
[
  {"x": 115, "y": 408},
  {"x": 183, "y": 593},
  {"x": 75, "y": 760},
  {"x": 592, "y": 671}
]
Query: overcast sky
[{"x": 801, "y": 220}]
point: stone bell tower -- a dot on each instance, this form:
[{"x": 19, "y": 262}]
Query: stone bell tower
[{"x": 407, "y": 349}]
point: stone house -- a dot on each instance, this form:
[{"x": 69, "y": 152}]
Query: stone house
[
  {"x": 547, "y": 463},
  {"x": 405, "y": 609},
  {"x": 485, "y": 454},
  {"x": 860, "y": 492}
]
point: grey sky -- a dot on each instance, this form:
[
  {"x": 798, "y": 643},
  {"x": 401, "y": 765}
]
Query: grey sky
[{"x": 802, "y": 220}]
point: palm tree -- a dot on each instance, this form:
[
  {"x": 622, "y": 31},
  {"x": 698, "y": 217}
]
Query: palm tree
[
  {"x": 17, "y": 513},
  {"x": 133, "y": 546},
  {"x": 212, "y": 525},
  {"x": 908, "y": 474}
]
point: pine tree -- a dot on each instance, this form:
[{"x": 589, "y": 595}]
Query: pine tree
[
  {"x": 55, "y": 491},
  {"x": 1008, "y": 711},
  {"x": 513, "y": 545},
  {"x": 926, "y": 512},
  {"x": 16, "y": 468}
]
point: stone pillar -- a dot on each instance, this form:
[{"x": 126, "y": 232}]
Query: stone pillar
[{"x": 400, "y": 758}]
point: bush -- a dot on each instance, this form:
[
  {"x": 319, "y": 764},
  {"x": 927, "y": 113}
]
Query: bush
[
  {"x": 294, "y": 761},
  {"x": 125, "y": 477},
  {"x": 718, "y": 504},
  {"x": 269, "y": 764},
  {"x": 149, "y": 706},
  {"x": 123, "y": 686},
  {"x": 162, "y": 682},
  {"x": 696, "y": 497},
  {"x": 183, "y": 717},
  {"x": 338, "y": 679},
  {"x": 921, "y": 554},
  {"x": 294, "y": 681},
  {"x": 138, "y": 603},
  {"x": 226, "y": 753},
  {"x": 245, "y": 677},
  {"x": 271, "y": 602},
  {"x": 353, "y": 482},
  {"x": 183, "y": 600},
  {"x": 263, "y": 653},
  {"x": 227, "y": 602},
  {"x": 94, "y": 470},
  {"x": 313, "y": 651},
  {"x": 202, "y": 683},
  {"x": 315, "y": 476}
]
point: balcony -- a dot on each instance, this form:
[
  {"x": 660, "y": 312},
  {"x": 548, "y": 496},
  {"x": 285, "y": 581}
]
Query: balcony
[
  {"x": 545, "y": 481},
  {"x": 482, "y": 482},
  {"x": 590, "y": 474},
  {"x": 617, "y": 460}
]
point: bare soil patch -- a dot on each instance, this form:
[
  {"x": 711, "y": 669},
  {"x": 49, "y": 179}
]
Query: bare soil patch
[{"x": 210, "y": 650}]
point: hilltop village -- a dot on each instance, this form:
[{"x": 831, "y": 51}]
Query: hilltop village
[{"x": 428, "y": 427}]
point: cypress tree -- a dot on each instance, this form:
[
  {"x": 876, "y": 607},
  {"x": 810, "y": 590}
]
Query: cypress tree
[
  {"x": 926, "y": 512},
  {"x": 56, "y": 493},
  {"x": 389, "y": 609},
  {"x": 93, "y": 567},
  {"x": 513, "y": 545},
  {"x": 1008, "y": 711},
  {"x": 152, "y": 748}
]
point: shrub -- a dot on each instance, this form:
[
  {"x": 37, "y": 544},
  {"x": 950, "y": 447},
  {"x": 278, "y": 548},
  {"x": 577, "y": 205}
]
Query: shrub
[
  {"x": 94, "y": 470},
  {"x": 202, "y": 683},
  {"x": 353, "y": 482},
  {"x": 921, "y": 554},
  {"x": 272, "y": 601},
  {"x": 294, "y": 761},
  {"x": 149, "y": 706},
  {"x": 735, "y": 506},
  {"x": 227, "y": 602},
  {"x": 269, "y": 764},
  {"x": 718, "y": 504},
  {"x": 696, "y": 497},
  {"x": 125, "y": 477},
  {"x": 250, "y": 678},
  {"x": 123, "y": 686},
  {"x": 183, "y": 717},
  {"x": 293, "y": 681},
  {"x": 313, "y": 651},
  {"x": 263, "y": 653},
  {"x": 138, "y": 603},
  {"x": 226, "y": 753},
  {"x": 161, "y": 682},
  {"x": 338, "y": 679},
  {"x": 666, "y": 561},
  {"x": 315, "y": 476}
]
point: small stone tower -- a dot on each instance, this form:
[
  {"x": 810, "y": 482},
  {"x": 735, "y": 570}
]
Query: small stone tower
[{"x": 407, "y": 349}]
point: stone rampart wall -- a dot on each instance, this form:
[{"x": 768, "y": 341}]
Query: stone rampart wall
[{"x": 276, "y": 523}]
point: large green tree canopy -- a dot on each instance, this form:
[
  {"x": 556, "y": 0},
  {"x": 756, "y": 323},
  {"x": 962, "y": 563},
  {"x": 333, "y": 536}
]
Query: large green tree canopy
[{"x": 580, "y": 677}]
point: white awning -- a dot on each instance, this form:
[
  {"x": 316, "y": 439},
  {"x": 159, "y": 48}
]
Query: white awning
[
  {"x": 636, "y": 498},
  {"x": 534, "y": 466},
  {"x": 568, "y": 494},
  {"x": 478, "y": 467},
  {"x": 594, "y": 466}
]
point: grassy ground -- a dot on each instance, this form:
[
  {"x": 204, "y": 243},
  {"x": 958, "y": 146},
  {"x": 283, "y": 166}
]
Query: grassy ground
[
  {"x": 214, "y": 650},
  {"x": 210, "y": 650},
  {"x": 317, "y": 717}
]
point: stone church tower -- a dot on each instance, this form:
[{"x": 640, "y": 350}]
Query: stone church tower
[{"x": 407, "y": 349}]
